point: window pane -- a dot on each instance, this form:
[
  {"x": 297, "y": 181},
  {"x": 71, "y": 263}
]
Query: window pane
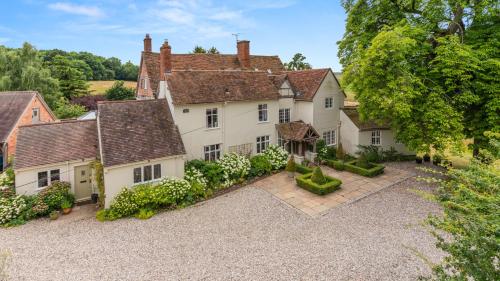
[
  {"x": 147, "y": 173},
  {"x": 137, "y": 175},
  {"x": 157, "y": 171},
  {"x": 42, "y": 179},
  {"x": 54, "y": 175}
]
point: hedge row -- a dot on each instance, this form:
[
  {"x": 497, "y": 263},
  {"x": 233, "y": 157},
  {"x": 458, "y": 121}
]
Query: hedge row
[
  {"x": 304, "y": 181},
  {"x": 335, "y": 164},
  {"x": 301, "y": 169},
  {"x": 375, "y": 170}
]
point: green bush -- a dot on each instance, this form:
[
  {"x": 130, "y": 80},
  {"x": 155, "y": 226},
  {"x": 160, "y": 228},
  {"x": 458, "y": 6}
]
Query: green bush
[
  {"x": 317, "y": 176},
  {"x": 325, "y": 152},
  {"x": 144, "y": 214},
  {"x": 119, "y": 92},
  {"x": 211, "y": 171},
  {"x": 372, "y": 153},
  {"x": 335, "y": 164},
  {"x": 259, "y": 166},
  {"x": 371, "y": 171},
  {"x": 362, "y": 161},
  {"x": 301, "y": 169},
  {"x": 340, "y": 153},
  {"x": 7, "y": 178},
  {"x": 54, "y": 195},
  {"x": 291, "y": 166},
  {"x": 305, "y": 182},
  {"x": 277, "y": 155}
]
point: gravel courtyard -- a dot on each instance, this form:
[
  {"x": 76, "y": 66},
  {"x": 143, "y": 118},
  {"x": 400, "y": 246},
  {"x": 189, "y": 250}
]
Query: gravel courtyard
[{"x": 245, "y": 235}]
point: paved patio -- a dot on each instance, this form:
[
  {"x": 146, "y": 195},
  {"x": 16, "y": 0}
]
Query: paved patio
[{"x": 353, "y": 188}]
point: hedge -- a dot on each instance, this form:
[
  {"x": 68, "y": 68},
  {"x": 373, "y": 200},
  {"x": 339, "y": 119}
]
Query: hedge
[
  {"x": 304, "y": 181},
  {"x": 377, "y": 169},
  {"x": 335, "y": 164},
  {"x": 301, "y": 169}
]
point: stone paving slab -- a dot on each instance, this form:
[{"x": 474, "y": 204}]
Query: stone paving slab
[{"x": 353, "y": 188}]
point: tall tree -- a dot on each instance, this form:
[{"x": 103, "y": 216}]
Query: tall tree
[
  {"x": 429, "y": 67},
  {"x": 22, "y": 69},
  {"x": 71, "y": 80},
  {"x": 298, "y": 62},
  {"x": 119, "y": 92}
]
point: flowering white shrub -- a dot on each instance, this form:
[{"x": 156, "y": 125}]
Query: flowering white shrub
[
  {"x": 11, "y": 208},
  {"x": 6, "y": 179},
  {"x": 124, "y": 203},
  {"x": 193, "y": 175},
  {"x": 175, "y": 188},
  {"x": 277, "y": 156},
  {"x": 234, "y": 167}
]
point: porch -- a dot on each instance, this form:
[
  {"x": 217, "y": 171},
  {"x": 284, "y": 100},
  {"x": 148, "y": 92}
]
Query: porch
[{"x": 299, "y": 139}]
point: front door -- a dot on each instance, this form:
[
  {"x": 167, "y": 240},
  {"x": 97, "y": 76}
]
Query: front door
[{"x": 83, "y": 184}]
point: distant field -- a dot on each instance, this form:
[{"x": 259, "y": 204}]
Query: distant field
[{"x": 99, "y": 87}]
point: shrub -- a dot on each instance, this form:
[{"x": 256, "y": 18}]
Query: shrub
[
  {"x": 119, "y": 92},
  {"x": 277, "y": 156},
  {"x": 212, "y": 172},
  {"x": 290, "y": 166},
  {"x": 11, "y": 208},
  {"x": 372, "y": 153},
  {"x": 66, "y": 204},
  {"x": 373, "y": 170},
  {"x": 301, "y": 169},
  {"x": 259, "y": 166},
  {"x": 235, "y": 167},
  {"x": 175, "y": 188},
  {"x": 145, "y": 214},
  {"x": 54, "y": 195},
  {"x": 340, "y": 154},
  {"x": 194, "y": 176},
  {"x": 318, "y": 177},
  {"x": 335, "y": 164},
  {"x": 305, "y": 182},
  {"x": 362, "y": 161},
  {"x": 325, "y": 152},
  {"x": 7, "y": 178},
  {"x": 124, "y": 204}
]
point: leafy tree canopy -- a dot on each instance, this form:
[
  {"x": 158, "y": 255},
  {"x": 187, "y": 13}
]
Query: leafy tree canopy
[
  {"x": 200, "y": 50},
  {"x": 297, "y": 63},
  {"x": 71, "y": 80},
  {"x": 430, "y": 67},
  {"x": 119, "y": 92}
]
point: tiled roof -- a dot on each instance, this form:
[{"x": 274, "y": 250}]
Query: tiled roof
[
  {"x": 132, "y": 131},
  {"x": 206, "y": 62},
  {"x": 12, "y": 106},
  {"x": 50, "y": 143},
  {"x": 353, "y": 114},
  {"x": 192, "y": 87},
  {"x": 278, "y": 79},
  {"x": 305, "y": 83},
  {"x": 296, "y": 131}
]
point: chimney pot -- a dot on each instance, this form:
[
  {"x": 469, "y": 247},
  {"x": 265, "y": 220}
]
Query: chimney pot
[
  {"x": 243, "y": 47},
  {"x": 147, "y": 43}
]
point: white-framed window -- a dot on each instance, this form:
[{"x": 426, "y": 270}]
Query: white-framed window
[
  {"x": 284, "y": 115},
  {"x": 147, "y": 173},
  {"x": 212, "y": 118},
  {"x": 45, "y": 178},
  {"x": 376, "y": 137},
  {"x": 281, "y": 141},
  {"x": 330, "y": 137},
  {"x": 144, "y": 83},
  {"x": 328, "y": 102},
  {"x": 35, "y": 114},
  {"x": 262, "y": 143},
  {"x": 262, "y": 112},
  {"x": 212, "y": 152}
]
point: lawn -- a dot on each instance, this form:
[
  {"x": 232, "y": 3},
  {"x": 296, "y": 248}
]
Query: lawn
[{"x": 99, "y": 87}]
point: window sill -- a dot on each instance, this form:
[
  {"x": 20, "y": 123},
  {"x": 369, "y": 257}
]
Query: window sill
[
  {"x": 211, "y": 129},
  {"x": 262, "y": 122},
  {"x": 146, "y": 182}
]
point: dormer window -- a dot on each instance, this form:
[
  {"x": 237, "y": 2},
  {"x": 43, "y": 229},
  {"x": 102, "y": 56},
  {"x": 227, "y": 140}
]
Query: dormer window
[{"x": 35, "y": 115}]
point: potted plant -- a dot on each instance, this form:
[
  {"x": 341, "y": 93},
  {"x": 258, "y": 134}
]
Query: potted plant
[
  {"x": 290, "y": 167},
  {"x": 94, "y": 197},
  {"x": 427, "y": 157},
  {"x": 418, "y": 159},
  {"x": 66, "y": 206},
  {"x": 54, "y": 215}
]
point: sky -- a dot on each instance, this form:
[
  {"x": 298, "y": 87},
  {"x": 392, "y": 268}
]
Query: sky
[{"x": 117, "y": 27}]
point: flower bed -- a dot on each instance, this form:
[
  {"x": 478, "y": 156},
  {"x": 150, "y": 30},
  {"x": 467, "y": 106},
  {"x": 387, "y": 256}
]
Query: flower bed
[
  {"x": 335, "y": 164},
  {"x": 301, "y": 169},
  {"x": 304, "y": 181},
  {"x": 371, "y": 171}
]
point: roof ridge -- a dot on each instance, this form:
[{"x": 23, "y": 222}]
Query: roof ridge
[
  {"x": 56, "y": 123},
  {"x": 125, "y": 101}
]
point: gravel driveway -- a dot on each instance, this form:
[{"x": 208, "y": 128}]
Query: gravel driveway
[{"x": 244, "y": 235}]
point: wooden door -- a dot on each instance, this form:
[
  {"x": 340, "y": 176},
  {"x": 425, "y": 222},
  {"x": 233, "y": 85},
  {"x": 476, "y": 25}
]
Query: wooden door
[{"x": 83, "y": 183}]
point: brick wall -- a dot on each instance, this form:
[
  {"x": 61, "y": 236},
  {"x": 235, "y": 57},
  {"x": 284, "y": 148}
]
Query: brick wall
[
  {"x": 141, "y": 92},
  {"x": 26, "y": 120}
]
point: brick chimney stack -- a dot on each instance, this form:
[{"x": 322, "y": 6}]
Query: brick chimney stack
[
  {"x": 165, "y": 58},
  {"x": 147, "y": 43},
  {"x": 244, "y": 53}
]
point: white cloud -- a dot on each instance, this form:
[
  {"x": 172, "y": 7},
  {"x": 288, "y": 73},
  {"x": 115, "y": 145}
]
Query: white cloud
[
  {"x": 178, "y": 16},
  {"x": 4, "y": 40},
  {"x": 226, "y": 15},
  {"x": 90, "y": 11}
]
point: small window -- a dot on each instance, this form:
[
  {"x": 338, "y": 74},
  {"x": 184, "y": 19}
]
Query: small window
[
  {"x": 137, "y": 175},
  {"x": 212, "y": 152},
  {"x": 375, "y": 137},
  {"x": 212, "y": 118},
  {"x": 330, "y": 137},
  {"x": 185, "y": 110},
  {"x": 262, "y": 143},
  {"x": 43, "y": 180},
  {"x": 148, "y": 173},
  {"x": 55, "y": 175},
  {"x": 35, "y": 115},
  {"x": 281, "y": 141},
  {"x": 262, "y": 112},
  {"x": 144, "y": 83},
  {"x": 284, "y": 115},
  {"x": 329, "y": 103},
  {"x": 157, "y": 171}
]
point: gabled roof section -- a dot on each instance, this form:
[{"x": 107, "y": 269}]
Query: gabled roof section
[
  {"x": 50, "y": 143},
  {"x": 368, "y": 125},
  {"x": 133, "y": 131},
  {"x": 305, "y": 83},
  {"x": 12, "y": 106},
  {"x": 206, "y": 62},
  {"x": 194, "y": 87},
  {"x": 297, "y": 131}
]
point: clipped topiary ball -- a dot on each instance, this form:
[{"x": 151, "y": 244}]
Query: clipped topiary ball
[{"x": 318, "y": 177}]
